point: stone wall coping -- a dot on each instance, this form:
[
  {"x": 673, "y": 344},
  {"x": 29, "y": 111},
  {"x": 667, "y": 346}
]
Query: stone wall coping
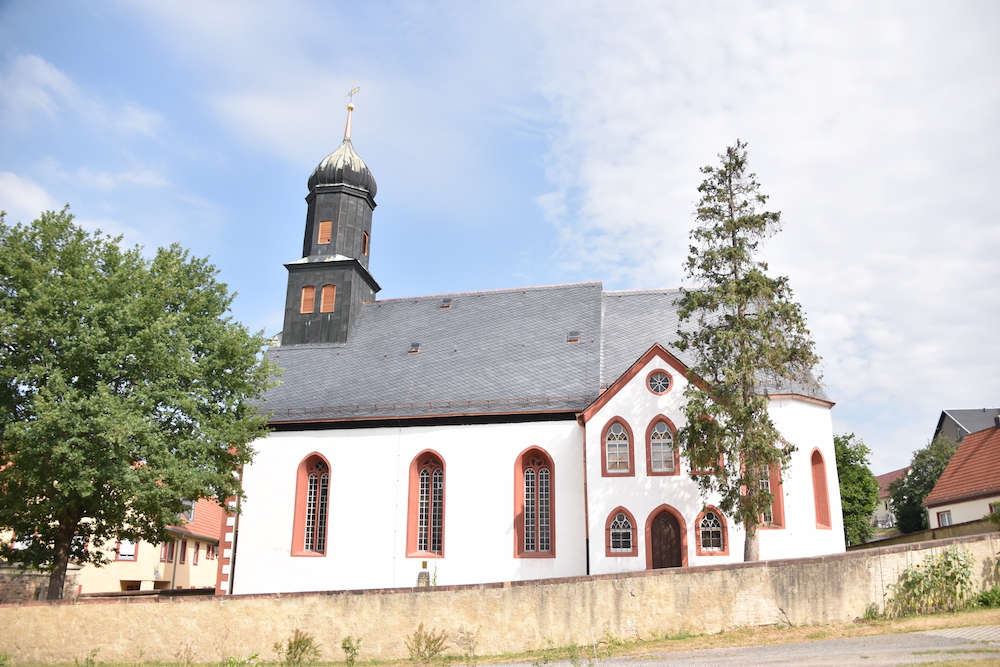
[{"x": 666, "y": 572}]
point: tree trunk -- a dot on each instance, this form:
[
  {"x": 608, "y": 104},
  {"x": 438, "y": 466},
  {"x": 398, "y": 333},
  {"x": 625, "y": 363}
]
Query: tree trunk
[
  {"x": 751, "y": 547},
  {"x": 60, "y": 560}
]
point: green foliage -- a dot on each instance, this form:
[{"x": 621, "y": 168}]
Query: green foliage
[
  {"x": 232, "y": 661},
  {"x": 424, "y": 646},
  {"x": 468, "y": 641},
  {"x": 872, "y": 613},
  {"x": 994, "y": 516},
  {"x": 909, "y": 491},
  {"x": 940, "y": 583},
  {"x": 301, "y": 648},
  {"x": 988, "y": 598},
  {"x": 89, "y": 660},
  {"x": 124, "y": 390},
  {"x": 858, "y": 488},
  {"x": 350, "y": 647},
  {"x": 748, "y": 337},
  {"x": 5, "y": 660}
]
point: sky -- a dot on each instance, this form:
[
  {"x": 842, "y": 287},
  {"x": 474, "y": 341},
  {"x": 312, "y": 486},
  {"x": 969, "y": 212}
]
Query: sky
[{"x": 519, "y": 144}]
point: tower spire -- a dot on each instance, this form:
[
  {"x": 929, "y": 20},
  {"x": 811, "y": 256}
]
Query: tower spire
[{"x": 350, "y": 108}]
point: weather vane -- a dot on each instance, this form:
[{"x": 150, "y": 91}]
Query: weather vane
[{"x": 350, "y": 95}]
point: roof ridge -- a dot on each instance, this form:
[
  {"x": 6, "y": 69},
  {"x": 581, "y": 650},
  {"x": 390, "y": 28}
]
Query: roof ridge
[{"x": 533, "y": 288}]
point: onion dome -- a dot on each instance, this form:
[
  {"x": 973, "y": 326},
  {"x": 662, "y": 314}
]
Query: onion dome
[{"x": 344, "y": 167}]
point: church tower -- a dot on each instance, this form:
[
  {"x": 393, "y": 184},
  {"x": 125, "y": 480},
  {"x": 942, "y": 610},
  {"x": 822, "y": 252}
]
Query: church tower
[{"x": 328, "y": 285}]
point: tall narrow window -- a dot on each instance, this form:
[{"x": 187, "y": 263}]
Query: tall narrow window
[
  {"x": 364, "y": 243},
  {"x": 312, "y": 503},
  {"x": 662, "y": 457},
  {"x": 821, "y": 497},
  {"x": 308, "y": 299},
  {"x": 325, "y": 231},
  {"x": 617, "y": 445},
  {"x": 184, "y": 550},
  {"x": 425, "y": 525},
  {"x": 327, "y": 298},
  {"x": 534, "y": 507}
]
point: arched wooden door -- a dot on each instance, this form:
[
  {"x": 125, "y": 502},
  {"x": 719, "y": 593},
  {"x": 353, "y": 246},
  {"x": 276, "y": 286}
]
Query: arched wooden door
[{"x": 665, "y": 541}]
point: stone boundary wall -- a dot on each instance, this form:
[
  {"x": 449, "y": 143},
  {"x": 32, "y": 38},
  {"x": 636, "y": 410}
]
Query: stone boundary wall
[
  {"x": 512, "y": 616},
  {"x": 976, "y": 527}
]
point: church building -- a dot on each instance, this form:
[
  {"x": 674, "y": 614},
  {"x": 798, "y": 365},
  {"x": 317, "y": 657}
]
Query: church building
[{"x": 489, "y": 436}]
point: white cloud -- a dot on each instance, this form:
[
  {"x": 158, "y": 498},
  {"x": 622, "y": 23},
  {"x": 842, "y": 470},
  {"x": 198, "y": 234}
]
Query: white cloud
[
  {"x": 22, "y": 198},
  {"x": 872, "y": 127},
  {"x": 32, "y": 90}
]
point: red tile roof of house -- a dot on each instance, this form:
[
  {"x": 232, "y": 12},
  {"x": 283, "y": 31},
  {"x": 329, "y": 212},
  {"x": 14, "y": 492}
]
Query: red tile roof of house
[
  {"x": 974, "y": 470},
  {"x": 888, "y": 478}
]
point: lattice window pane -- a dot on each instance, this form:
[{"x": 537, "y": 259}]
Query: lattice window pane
[
  {"x": 711, "y": 533},
  {"x": 529, "y": 510},
  {"x": 311, "y": 506},
  {"x": 616, "y": 448},
  {"x": 423, "y": 513},
  {"x": 544, "y": 511},
  {"x": 621, "y": 533},
  {"x": 437, "y": 513},
  {"x": 324, "y": 496},
  {"x": 661, "y": 446}
]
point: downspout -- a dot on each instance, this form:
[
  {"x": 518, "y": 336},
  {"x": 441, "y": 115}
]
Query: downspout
[
  {"x": 586, "y": 505},
  {"x": 173, "y": 565}
]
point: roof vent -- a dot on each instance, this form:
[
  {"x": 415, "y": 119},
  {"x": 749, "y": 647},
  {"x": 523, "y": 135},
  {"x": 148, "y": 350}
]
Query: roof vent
[
  {"x": 414, "y": 348},
  {"x": 446, "y": 303},
  {"x": 573, "y": 337}
]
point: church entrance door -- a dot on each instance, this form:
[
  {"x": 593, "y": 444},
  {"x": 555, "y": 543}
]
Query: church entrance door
[{"x": 665, "y": 541}]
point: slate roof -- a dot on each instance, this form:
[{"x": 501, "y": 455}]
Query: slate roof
[
  {"x": 493, "y": 352},
  {"x": 973, "y": 471},
  {"x": 969, "y": 420}
]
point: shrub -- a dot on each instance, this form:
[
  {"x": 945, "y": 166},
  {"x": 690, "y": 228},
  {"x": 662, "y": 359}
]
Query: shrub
[
  {"x": 940, "y": 583},
  {"x": 989, "y": 598},
  {"x": 300, "y": 649},
  {"x": 232, "y": 661},
  {"x": 350, "y": 647},
  {"x": 425, "y": 646}
]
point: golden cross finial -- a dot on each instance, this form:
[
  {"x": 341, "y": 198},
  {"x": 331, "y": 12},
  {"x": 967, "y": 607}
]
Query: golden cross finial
[{"x": 350, "y": 108}]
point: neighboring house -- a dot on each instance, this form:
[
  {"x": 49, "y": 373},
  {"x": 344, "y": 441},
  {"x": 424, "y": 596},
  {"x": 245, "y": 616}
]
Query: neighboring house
[
  {"x": 489, "y": 436},
  {"x": 969, "y": 487},
  {"x": 883, "y": 516},
  {"x": 956, "y": 424},
  {"x": 189, "y": 560}
]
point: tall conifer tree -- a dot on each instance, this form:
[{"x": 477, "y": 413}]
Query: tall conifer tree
[{"x": 747, "y": 337}]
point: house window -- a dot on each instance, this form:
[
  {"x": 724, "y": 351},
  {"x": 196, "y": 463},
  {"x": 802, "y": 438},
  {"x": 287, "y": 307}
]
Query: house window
[
  {"x": 620, "y": 533},
  {"x": 183, "y": 554},
  {"x": 425, "y": 525},
  {"x": 325, "y": 232},
  {"x": 312, "y": 502},
  {"x": 944, "y": 519},
  {"x": 712, "y": 533},
  {"x": 211, "y": 551},
  {"x": 194, "y": 555},
  {"x": 364, "y": 243},
  {"x": 308, "y": 299},
  {"x": 167, "y": 552},
  {"x": 327, "y": 298},
  {"x": 126, "y": 550},
  {"x": 617, "y": 451},
  {"x": 534, "y": 506},
  {"x": 821, "y": 498},
  {"x": 188, "y": 514},
  {"x": 662, "y": 457}
]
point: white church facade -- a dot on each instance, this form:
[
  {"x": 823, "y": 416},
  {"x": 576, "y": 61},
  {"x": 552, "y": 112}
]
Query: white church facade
[{"x": 489, "y": 436}]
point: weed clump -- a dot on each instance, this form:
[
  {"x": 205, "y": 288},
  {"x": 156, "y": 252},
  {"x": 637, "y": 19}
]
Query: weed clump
[
  {"x": 940, "y": 583},
  {"x": 424, "y": 646},
  {"x": 350, "y": 647}
]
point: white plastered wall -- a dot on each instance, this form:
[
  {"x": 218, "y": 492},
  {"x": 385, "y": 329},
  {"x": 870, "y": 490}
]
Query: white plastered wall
[
  {"x": 368, "y": 507},
  {"x": 805, "y": 423},
  {"x": 969, "y": 510}
]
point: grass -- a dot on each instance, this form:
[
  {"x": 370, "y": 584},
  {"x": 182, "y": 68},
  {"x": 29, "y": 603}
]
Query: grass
[{"x": 682, "y": 641}]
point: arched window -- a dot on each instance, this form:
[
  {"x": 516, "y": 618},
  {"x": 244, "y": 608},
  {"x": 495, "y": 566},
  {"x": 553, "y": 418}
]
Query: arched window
[
  {"x": 425, "y": 518},
  {"x": 770, "y": 481},
  {"x": 713, "y": 538},
  {"x": 620, "y": 534},
  {"x": 308, "y": 304},
  {"x": 662, "y": 457},
  {"x": 534, "y": 506},
  {"x": 312, "y": 502},
  {"x": 821, "y": 497},
  {"x": 327, "y": 298},
  {"x": 616, "y": 450}
]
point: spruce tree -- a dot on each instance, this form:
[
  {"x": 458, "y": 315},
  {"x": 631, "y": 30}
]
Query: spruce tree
[{"x": 745, "y": 335}]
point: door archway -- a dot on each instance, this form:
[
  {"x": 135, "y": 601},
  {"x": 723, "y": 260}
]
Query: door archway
[{"x": 666, "y": 539}]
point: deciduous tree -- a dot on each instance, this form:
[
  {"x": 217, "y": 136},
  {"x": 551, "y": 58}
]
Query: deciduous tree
[
  {"x": 858, "y": 488},
  {"x": 124, "y": 390},
  {"x": 909, "y": 491},
  {"x": 747, "y": 335}
]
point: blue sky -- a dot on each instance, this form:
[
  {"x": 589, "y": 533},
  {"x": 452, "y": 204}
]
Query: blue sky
[{"x": 523, "y": 143}]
